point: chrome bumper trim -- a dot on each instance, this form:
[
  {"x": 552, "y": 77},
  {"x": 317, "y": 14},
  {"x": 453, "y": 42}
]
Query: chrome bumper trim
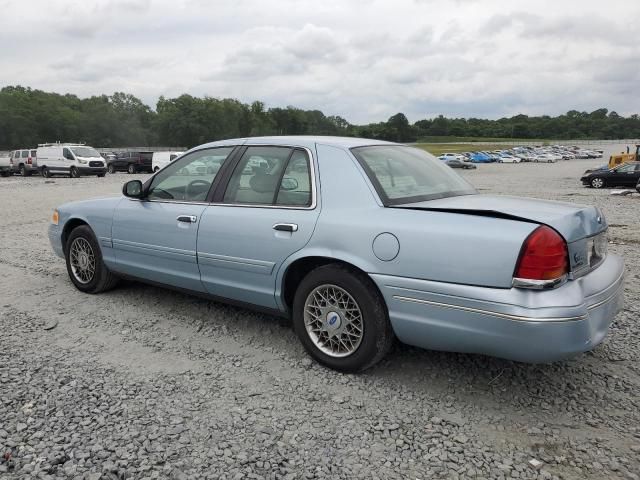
[
  {"x": 539, "y": 284},
  {"x": 518, "y": 318}
]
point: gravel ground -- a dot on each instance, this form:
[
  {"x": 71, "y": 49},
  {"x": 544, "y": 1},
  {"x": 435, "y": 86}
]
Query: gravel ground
[{"x": 142, "y": 382}]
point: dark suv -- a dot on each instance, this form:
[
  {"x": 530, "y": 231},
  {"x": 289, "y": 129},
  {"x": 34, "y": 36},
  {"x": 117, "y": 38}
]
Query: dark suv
[{"x": 132, "y": 162}]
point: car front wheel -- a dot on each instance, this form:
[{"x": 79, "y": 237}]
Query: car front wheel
[
  {"x": 111, "y": 169},
  {"x": 597, "y": 182},
  {"x": 74, "y": 172},
  {"x": 85, "y": 267},
  {"x": 131, "y": 169},
  {"x": 341, "y": 319}
]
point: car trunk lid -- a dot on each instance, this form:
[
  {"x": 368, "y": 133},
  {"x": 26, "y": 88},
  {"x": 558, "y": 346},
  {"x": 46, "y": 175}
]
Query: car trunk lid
[{"x": 576, "y": 223}]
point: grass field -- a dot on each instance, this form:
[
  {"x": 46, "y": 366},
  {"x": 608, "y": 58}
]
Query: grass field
[
  {"x": 451, "y": 139},
  {"x": 440, "y": 148}
]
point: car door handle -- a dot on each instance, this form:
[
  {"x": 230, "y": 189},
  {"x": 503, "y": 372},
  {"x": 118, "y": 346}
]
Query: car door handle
[
  {"x": 187, "y": 218},
  {"x": 286, "y": 227}
]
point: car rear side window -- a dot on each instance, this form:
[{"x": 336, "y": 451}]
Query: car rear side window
[
  {"x": 257, "y": 177},
  {"x": 24, "y": 154},
  {"x": 295, "y": 187},
  {"x": 33, "y": 153}
]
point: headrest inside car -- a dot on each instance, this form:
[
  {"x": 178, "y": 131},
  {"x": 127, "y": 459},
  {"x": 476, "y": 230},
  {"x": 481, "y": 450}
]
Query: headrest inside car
[{"x": 263, "y": 183}]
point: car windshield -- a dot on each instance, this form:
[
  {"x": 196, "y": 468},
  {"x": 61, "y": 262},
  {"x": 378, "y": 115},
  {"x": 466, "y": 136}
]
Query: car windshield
[
  {"x": 85, "y": 152},
  {"x": 406, "y": 175}
]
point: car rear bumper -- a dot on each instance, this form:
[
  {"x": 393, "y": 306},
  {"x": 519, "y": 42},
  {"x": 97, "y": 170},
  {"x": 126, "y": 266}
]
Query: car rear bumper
[{"x": 516, "y": 324}]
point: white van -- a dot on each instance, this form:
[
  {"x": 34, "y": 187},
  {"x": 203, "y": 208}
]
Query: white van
[
  {"x": 70, "y": 159},
  {"x": 162, "y": 159}
]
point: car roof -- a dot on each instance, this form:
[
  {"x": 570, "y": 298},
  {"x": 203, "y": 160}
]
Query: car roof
[{"x": 300, "y": 140}]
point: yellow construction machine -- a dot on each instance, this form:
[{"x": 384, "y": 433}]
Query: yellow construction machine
[{"x": 615, "y": 160}]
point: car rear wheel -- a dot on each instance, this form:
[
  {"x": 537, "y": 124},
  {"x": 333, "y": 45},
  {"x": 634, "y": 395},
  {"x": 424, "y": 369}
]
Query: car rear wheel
[
  {"x": 45, "y": 172},
  {"x": 23, "y": 171},
  {"x": 597, "y": 182},
  {"x": 85, "y": 267},
  {"x": 156, "y": 169},
  {"x": 111, "y": 168},
  {"x": 131, "y": 168},
  {"x": 341, "y": 319},
  {"x": 74, "y": 172}
]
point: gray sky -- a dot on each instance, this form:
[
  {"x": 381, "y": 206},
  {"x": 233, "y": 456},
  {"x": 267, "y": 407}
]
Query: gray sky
[{"x": 362, "y": 59}]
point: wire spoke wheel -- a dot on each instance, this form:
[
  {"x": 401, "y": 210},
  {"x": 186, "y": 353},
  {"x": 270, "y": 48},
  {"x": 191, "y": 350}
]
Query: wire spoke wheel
[
  {"x": 333, "y": 321},
  {"x": 82, "y": 260}
]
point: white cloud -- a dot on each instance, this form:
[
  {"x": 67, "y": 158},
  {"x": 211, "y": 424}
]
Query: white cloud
[{"x": 362, "y": 59}]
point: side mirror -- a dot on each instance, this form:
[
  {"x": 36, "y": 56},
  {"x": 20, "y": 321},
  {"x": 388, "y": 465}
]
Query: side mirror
[
  {"x": 132, "y": 189},
  {"x": 289, "y": 184}
]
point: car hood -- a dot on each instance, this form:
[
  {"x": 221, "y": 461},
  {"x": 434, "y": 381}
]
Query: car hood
[
  {"x": 572, "y": 221},
  {"x": 597, "y": 169}
]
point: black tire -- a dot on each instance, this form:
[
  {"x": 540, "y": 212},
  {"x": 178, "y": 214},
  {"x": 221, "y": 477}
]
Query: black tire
[
  {"x": 45, "y": 172},
  {"x": 73, "y": 172},
  {"x": 131, "y": 168},
  {"x": 100, "y": 175},
  {"x": 5, "y": 174},
  {"x": 102, "y": 279},
  {"x": 156, "y": 169},
  {"x": 23, "y": 171},
  {"x": 377, "y": 337},
  {"x": 111, "y": 169},
  {"x": 597, "y": 182}
]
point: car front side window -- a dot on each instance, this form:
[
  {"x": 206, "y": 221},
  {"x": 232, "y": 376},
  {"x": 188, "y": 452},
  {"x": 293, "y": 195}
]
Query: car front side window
[{"x": 189, "y": 178}]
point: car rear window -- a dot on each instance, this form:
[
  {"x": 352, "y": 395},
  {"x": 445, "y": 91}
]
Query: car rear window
[{"x": 403, "y": 174}]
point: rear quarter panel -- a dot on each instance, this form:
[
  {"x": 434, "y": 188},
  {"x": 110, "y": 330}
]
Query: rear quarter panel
[{"x": 439, "y": 246}]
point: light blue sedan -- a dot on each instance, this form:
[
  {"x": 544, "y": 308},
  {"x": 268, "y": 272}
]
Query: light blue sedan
[{"x": 358, "y": 242}]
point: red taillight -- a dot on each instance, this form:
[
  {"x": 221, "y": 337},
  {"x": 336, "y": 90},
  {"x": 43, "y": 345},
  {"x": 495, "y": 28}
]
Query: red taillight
[{"x": 543, "y": 256}]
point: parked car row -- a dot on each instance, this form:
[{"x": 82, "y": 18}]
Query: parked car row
[
  {"x": 137, "y": 162},
  {"x": 545, "y": 154},
  {"x": 50, "y": 159},
  {"x": 75, "y": 160}
]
